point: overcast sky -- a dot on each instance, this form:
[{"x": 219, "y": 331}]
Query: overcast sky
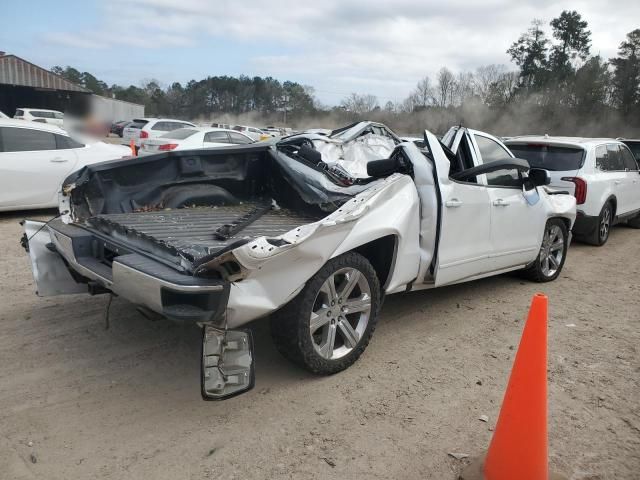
[{"x": 336, "y": 46}]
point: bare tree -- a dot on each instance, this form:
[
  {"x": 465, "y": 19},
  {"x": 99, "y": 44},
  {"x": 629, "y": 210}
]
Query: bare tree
[
  {"x": 360, "y": 104},
  {"x": 424, "y": 94},
  {"x": 484, "y": 77},
  {"x": 445, "y": 87},
  {"x": 463, "y": 88},
  {"x": 409, "y": 104}
]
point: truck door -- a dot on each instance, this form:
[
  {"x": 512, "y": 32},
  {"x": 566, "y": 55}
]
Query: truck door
[
  {"x": 464, "y": 245},
  {"x": 517, "y": 221}
]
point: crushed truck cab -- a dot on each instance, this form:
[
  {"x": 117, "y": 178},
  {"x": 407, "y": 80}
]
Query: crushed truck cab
[{"x": 312, "y": 230}]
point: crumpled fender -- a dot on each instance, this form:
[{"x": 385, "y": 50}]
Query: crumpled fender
[
  {"x": 562, "y": 205},
  {"x": 272, "y": 275}
]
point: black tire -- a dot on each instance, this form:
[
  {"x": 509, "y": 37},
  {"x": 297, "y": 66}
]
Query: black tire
[
  {"x": 537, "y": 271},
  {"x": 291, "y": 325},
  {"x": 601, "y": 234}
]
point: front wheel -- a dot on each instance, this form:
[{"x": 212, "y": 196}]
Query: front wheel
[
  {"x": 327, "y": 326},
  {"x": 553, "y": 253}
]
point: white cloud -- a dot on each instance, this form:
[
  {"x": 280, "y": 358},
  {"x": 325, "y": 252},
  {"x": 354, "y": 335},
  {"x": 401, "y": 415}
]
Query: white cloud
[{"x": 369, "y": 46}]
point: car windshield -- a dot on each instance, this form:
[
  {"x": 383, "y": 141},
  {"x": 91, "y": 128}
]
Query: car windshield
[
  {"x": 549, "y": 157},
  {"x": 179, "y": 134}
]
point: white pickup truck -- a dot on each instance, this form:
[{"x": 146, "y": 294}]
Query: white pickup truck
[{"x": 225, "y": 236}]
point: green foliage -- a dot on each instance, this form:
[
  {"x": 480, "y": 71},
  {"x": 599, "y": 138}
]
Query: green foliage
[{"x": 626, "y": 74}]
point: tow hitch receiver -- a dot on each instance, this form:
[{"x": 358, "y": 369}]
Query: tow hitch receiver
[{"x": 227, "y": 363}]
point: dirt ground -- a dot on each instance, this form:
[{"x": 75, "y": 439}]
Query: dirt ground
[{"x": 81, "y": 402}]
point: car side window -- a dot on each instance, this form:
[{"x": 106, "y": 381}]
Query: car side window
[
  {"x": 161, "y": 126},
  {"x": 491, "y": 151},
  {"x": 628, "y": 159},
  {"x": 216, "y": 137},
  {"x": 176, "y": 125},
  {"x": 65, "y": 143},
  {"x": 615, "y": 158},
  {"x": 15, "y": 139},
  {"x": 238, "y": 139},
  {"x": 602, "y": 158}
]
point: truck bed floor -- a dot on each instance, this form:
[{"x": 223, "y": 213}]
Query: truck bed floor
[{"x": 191, "y": 231}]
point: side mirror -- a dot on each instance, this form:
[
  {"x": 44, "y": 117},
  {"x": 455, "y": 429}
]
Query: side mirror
[
  {"x": 227, "y": 363},
  {"x": 539, "y": 176}
]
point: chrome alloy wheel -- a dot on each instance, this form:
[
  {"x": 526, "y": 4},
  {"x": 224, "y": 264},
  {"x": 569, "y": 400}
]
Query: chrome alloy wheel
[
  {"x": 605, "y": 224},
  {"x": 552, "y": 250},
  {"x": 340, "y": 313}
]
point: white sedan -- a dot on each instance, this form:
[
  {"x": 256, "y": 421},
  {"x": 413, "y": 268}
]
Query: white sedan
[
  {"x": 193, "y": 138},
  {"x": 35, "y": 158}
]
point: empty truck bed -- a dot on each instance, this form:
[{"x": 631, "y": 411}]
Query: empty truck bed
[{"x": 194, "y": 233}]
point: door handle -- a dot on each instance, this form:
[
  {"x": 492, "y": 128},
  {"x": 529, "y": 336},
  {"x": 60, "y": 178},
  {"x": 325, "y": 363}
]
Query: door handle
[
  {"x": 501, "y": 203},
  {"x": 617, "y": 182},
  {"x": 59, "y": 160},
  {"x": 453, "y": 203}
]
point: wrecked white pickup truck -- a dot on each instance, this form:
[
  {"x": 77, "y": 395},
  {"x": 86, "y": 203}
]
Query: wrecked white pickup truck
[{"x": 225, "y": 236}]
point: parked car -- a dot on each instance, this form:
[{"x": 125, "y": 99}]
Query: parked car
[
  {"x": 601, "y": 173},
  {"x": 142, "y": 129},
  {"x": 226, "y": 126},
  {"x": 634, "y": 146},
  {"x": 236, "y": 234},
  {"x": 193, "y": 138},
  {"x": 40, "y": 115},
  {"x": 274, "y": 131},
  {"x": 118, "y": 127},
  {"x": 2, "y": 115},
  {"x": 253, "y": 132},
  {"x": 35, "y": 158}
]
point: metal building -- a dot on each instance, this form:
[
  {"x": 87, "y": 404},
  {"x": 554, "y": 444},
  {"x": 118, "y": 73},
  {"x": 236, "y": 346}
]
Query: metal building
[{"x": 23, "y": 84}]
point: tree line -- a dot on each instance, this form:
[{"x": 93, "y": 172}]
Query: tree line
[
  {"x": 205, "y": 98},
  {"x": 555, "y": 84}
]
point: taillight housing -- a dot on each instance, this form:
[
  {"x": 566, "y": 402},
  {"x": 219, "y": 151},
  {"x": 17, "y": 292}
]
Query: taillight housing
[
  {"x": 167, "y": 146},
  {"x": 581, "y": 188},
  {"x": 144, "y": 134}
]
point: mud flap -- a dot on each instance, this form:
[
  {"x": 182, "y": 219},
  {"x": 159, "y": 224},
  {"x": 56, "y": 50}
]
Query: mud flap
[
  {"x": 227, "y": 363},
  {"x": 49, "y": 270}
]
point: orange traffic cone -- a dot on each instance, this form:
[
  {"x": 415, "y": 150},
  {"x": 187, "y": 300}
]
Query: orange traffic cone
[
  {"x": 132, "y": 145},
  {"x": 518, "y": 449}
]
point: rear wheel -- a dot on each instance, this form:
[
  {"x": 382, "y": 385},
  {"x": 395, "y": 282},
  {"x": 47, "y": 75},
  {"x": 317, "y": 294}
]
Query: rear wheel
[
  {"x": 600, "y": 236},
  {"x": 553, "y": 253},
  {"x": 328, "y": 325}
]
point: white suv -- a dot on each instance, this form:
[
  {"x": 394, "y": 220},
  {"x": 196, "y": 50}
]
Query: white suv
[
  {"x": 143, "y": 128},
  {"x": 40, "y": 115},
  {"x": 601, "y": 173}
]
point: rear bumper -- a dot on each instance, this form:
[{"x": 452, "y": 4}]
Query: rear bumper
[
  {"x": 139, "y": 279},
  {"x": 585, "y": 225}
]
